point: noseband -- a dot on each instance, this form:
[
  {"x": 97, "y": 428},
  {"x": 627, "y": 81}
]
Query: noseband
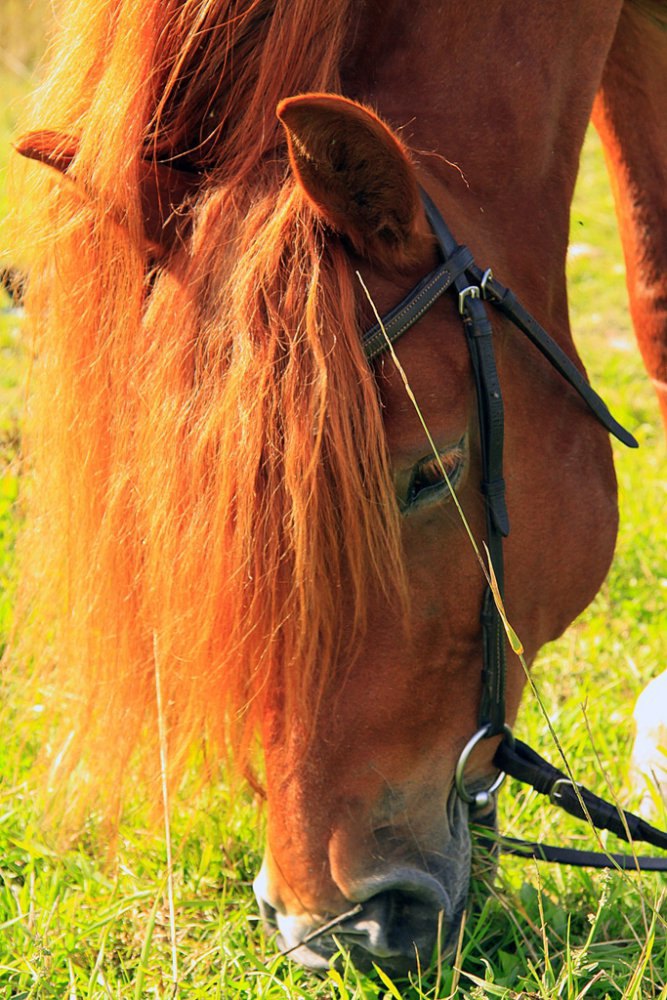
[{"x": 474, "y": 288}]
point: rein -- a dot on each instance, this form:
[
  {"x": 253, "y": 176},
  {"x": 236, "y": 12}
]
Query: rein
[{"x": 474, "y": 288}]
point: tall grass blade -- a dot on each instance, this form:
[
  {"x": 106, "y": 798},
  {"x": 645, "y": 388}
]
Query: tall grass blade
[
  {"x": 514, "y": 640},
  {"x": 145, "y": 951},
  {"x": 162, "y": 732}
]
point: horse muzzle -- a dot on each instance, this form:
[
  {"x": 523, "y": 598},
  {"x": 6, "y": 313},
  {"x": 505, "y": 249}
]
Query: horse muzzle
[
  {"x": 397, "y": 927},
  {"x": 397, "y": 915}
]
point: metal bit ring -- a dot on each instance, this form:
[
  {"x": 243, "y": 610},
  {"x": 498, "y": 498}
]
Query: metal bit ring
[{"x": 482, "y": 798}]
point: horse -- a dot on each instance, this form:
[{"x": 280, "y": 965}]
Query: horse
[{"x": 227, "y": 498}]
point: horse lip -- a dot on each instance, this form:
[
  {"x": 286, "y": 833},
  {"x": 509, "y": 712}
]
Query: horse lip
[
  {"x": 420, "y": 885},
  {"x": 289, "y": 938},
  {"x": 289, "y": 935},
  {"x": 267, "y": 912}
]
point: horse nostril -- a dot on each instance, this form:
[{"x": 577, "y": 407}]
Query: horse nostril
[{"x": 396, "y": 927}]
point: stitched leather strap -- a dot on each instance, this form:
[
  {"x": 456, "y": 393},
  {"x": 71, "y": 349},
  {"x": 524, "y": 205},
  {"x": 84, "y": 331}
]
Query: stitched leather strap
[{"x": 416, "y": 303}]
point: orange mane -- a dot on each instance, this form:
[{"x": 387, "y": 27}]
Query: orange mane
[{"x": 209, "y": 479}]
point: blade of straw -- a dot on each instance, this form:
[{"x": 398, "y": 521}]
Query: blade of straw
[
  {"x": 330, "y": 925},
  {"x": 489, "y": 574}
]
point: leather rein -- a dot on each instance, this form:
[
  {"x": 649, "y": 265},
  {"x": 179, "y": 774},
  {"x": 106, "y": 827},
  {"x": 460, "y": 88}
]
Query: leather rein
[{"x": 474, "y": 288}]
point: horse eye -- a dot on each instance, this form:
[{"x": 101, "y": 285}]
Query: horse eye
[{"x": 427, "y": 481}]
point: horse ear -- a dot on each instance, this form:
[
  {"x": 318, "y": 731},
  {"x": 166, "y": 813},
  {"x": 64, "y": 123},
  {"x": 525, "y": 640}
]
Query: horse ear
[
  {"x": 56, "y": 149},
  {"x": 164, "y": 190},
  {"x": 356, "y": 174}
]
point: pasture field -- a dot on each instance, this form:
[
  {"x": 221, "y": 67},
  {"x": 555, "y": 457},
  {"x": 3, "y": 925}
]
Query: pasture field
[{"x": 81, "y": 921}]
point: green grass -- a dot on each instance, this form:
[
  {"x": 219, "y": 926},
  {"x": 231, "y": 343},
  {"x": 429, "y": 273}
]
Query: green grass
[
  {"x": 82, "y": 923},
  {"x": 12, "y": 366},
  {"x": 23, "y": 27}
]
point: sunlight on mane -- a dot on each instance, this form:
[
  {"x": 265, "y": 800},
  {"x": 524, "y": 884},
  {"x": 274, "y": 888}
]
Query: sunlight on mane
[{"x": 206, "y": 446}]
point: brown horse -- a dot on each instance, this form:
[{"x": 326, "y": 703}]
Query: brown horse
[{"x": 226, "y": 490}]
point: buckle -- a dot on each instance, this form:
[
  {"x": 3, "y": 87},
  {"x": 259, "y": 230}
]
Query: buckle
[
  {"x": 554, "y": 794},
  {"x": 487, "y": 293},
  {"x": 471, "y": 292}
]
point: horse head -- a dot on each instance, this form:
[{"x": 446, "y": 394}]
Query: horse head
[{"x": 362, "y": 810}]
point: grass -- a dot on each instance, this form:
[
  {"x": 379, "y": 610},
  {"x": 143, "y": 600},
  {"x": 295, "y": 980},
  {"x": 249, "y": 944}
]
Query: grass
[
  {"x": 12, "y": 366},
  {"x": 80, "y": 923}
]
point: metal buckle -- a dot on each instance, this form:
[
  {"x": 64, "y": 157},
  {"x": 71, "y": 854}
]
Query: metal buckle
[
  {"x": 553, "y": 794},
  {"x": 471, "y": 292},
  {"x": 482, "y": 798},
  {"x": 486, "y": 278}
]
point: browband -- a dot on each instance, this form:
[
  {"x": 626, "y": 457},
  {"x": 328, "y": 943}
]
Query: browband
[{"x": 416, "y": 303}]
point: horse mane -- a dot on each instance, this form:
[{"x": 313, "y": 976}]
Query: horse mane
[{"x": 209, "y": 490}]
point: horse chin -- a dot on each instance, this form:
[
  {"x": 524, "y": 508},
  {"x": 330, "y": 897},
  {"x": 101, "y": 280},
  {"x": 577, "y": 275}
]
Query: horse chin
[{"x": 398, "y": 915}]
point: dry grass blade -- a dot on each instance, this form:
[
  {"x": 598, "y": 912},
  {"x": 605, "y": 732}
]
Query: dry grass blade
[
  {"x": 330, "y": 925},
  {"x": 489, "y": 574}
]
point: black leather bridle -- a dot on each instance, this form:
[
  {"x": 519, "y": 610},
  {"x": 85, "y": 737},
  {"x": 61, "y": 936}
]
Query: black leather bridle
[{"x": 459, "y": 273}]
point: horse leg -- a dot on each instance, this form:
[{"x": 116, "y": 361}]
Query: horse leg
[{"x": 630, "y": 114}]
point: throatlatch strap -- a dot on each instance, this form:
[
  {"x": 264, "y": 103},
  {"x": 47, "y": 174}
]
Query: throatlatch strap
[{"x": 505, "y": 300}]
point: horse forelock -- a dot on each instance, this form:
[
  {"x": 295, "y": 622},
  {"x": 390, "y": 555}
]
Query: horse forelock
[
  {"x": 211, "y": 489},
  {"x": 281, "y": 516}
]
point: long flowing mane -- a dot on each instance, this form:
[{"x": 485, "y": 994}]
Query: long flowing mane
[{"x": 209, "y": 482}]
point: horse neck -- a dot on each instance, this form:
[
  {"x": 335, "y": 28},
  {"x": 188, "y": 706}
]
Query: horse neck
[{"x": 504, "y": 91}]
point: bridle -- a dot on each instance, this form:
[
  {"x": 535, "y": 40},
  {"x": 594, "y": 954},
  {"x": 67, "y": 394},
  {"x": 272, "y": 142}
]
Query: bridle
[{"x": 474, "y": 288}]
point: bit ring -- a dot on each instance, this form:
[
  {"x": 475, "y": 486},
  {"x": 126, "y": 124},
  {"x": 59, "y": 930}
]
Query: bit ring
[{"x": 482, "y": 798}]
